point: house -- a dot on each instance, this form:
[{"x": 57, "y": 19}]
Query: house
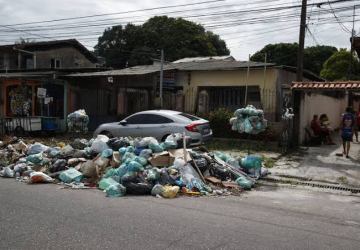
[
  {"x": 196, "y": 85},
  {"x": 59, "y": 54},
  {"x": 30, "y": 68},
  {"x": 329, "y": 98}
]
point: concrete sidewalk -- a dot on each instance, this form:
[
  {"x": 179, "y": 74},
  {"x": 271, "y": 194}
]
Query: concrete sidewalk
[{"x": 322, "y": 164}]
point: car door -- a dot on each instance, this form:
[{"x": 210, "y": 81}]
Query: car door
[
  {"x": 131, "y": 126},
  {"x": 156, "y": 126}
]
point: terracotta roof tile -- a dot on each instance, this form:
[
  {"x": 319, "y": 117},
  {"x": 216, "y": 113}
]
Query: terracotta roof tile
[{"x": 326, "y": 85}]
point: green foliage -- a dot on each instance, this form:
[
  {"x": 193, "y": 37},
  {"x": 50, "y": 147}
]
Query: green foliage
[
  {"x": 286, "y": 54},
  {"x": 219, "y": 122},
  {"x": 337, "y": 67},
  {"x": 139, "y": 44}
]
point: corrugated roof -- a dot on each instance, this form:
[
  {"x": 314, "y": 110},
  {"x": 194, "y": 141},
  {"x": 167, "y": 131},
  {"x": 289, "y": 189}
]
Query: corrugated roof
[
  {"x": 137, "y": 70},
  {"x": 326, "y": 85},
  {"x": 185, "y": 66},
  {"x": 208, "y": 58}
]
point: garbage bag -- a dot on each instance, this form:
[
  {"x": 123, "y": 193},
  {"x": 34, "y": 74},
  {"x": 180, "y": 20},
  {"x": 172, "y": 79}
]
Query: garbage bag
[
  {"x": 135, "y": 166},
  {"x": 117, "y": 143},
  {"x": 107, "y": 153},
  {"x": 115, "y": 190},
  {"x": 36, "y": 149},
  {"x": 155, "y": 147},
  {"x": 78, "y": 121},
  {"x": 100, "y": 144},
  {"x": 252, "y": 165},
  {"x": 122, "y": 170},
  {"x": 59, "y": 165},
  {"x": 136, "y": 185},
  {"x": 128, "y": 156},
  {"x": 79, "y": 144},
  {"x": 7, "y": 172},
  {"x": 110, "y": 172},
  {"x": 179, "y": 163},
  {"x": 122, "y": 151},
  {"x": 71, "y": 175},
  {"x": 36, "y": 159},
  {"x": 244, "y": 182},
  {"x": 146, "y": 141},
  {"x": 88, "y": 169},
  {"x": 145, "y": 153},
  {"x": 67, "y": 151},
  {"x": 53, "y": 152},
  {"x": 104, "y": 183},
  {"x": 157, "y": 190},
  {"x": 40, "y": 177},
  {"x": 170, "y": 191},
  {"x": 20, "y": 168},
  {"x": 152, "y": 175},
  {"x": 141, "y": 160}
]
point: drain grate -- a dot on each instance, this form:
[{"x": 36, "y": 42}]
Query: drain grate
[{"x": 313, "y": 184}]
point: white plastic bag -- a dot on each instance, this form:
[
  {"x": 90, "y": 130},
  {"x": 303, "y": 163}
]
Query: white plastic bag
[
  {"x": 100, "y": 144},
  {"x": 40, "y": 177}
]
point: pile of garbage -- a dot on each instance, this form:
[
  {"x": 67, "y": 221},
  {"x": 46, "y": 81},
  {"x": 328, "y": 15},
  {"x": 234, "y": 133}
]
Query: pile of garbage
[
  {"x": 78, "y": 121},
  {"x": 134, "y": 166},
  {"x": 249, "y": 120}
]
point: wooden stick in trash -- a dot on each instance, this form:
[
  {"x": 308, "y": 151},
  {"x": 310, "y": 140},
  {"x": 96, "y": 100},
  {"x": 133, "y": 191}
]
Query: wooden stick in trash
[{"x": 184, "y": 147}]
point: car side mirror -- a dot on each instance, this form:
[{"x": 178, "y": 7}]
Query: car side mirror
[{"x": 123, "y": 123}]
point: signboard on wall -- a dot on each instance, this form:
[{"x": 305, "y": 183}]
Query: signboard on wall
[{"x": 41, "y": 93}]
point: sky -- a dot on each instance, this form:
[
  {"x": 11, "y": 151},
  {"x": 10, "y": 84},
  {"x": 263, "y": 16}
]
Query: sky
[{"x": 246, "y": 25}]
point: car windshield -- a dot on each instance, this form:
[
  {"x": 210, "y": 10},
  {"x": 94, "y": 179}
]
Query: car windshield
[{"x": 191, "y": 117}]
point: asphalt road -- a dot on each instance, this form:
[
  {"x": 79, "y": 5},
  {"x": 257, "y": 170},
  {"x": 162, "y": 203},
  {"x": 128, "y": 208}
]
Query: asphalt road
[{"x": 47, "y": 217}]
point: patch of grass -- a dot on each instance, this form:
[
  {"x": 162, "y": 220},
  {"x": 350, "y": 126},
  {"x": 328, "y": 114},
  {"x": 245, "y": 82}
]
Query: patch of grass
[
  {"x": 343, "y": 179},
  {"x": 238, "y": 145},
  {"x": 269, "y": 162}
]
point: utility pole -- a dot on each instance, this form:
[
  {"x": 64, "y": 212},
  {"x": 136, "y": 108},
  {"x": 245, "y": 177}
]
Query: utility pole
[
  {"x": 161, "y": 78},
  {"x": 300, "y": 59},
  {"x": 247, "y": 81},
  {"x": 352, "y": 46}
]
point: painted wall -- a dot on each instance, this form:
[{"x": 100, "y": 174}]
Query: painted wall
[
  {"x": 319, "y": 104},
  {"x": 69, "y": 57},
  {"x": 226, "y": 78}
]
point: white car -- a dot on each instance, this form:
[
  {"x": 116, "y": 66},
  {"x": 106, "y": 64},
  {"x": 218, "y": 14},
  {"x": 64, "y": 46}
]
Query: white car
[{"x": 159, "y": 124}]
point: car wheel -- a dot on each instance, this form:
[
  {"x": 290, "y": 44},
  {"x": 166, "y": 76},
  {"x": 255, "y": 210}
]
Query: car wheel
[{"x": 107, "y": 133}]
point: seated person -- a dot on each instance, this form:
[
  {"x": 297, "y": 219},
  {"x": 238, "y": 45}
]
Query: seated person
[{"x": 322, "y": 131}]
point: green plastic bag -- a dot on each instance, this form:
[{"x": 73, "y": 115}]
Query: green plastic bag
[
  {"x": 243, "y": 182},
  {"x": 115, "y": 190},
  {"x": 156, "y": 148},
  {"x": 36, "y": 159},
  {"x": 141, "y": 160},
  {"x": 106, "y": 182},
  {"x": 71, "y": 175}
]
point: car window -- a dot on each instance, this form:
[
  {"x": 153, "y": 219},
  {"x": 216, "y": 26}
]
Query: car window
[
  {"x": 191, "y": 117},
  {"x": 148, "y": 119}
]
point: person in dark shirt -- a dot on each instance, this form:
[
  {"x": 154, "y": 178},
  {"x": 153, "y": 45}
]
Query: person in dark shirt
[
  {"x": 322, "y": 132},
  {"x": 347, "y": 129}
]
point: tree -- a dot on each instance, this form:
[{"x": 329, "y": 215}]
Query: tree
[
  {"x": 337, "y": 67},
  {"x": 281, "y": 54},
  {"x": 139, "y": 44},
  {"x": 286, "y": 54}
]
